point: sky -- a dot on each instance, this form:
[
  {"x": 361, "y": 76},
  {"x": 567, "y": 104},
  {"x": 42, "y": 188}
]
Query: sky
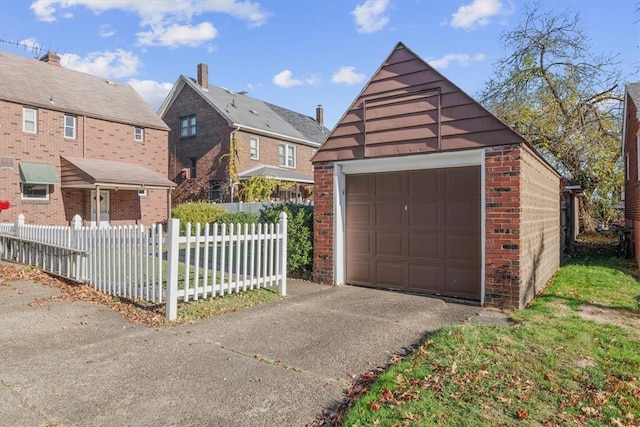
[{"x": 293, "y": 53}]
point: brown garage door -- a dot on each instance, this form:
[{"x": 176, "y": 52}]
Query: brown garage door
[{"x": 416, "y": 231}]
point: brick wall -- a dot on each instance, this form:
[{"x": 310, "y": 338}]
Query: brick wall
[
  {"x": 95, "y": 138},
  {"x": 522, "y": 226},
  {"x": 211, "y": 142},
  {"x": 632, "y": 185},
  {"x": 268, "y": 154},
  {"x": 502, "y": 227},
  {"x": 540, "y": 228},
  {"x": 323, "y": 223}
]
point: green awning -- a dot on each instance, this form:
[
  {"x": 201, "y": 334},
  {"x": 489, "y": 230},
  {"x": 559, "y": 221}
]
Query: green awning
[{"x": 38, "y": 173}]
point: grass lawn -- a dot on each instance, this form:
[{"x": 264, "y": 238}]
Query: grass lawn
[{"x": 571, "y": 358}]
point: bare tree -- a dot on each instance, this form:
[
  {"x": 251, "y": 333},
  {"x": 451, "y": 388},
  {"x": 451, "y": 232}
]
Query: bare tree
[{"x": 564, "y": 99}]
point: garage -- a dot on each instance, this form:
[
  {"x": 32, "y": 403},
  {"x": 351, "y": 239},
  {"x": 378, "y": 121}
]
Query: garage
[
  {"x": 415, "y": 231},
  {"x": 419, "y": 188}
]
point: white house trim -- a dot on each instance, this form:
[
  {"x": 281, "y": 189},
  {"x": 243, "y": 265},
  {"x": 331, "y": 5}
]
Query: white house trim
[{"x": 417, "y": 162}]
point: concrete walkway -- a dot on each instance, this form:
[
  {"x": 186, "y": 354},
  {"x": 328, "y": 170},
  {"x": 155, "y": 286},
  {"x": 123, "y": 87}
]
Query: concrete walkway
[{"x": 278, "y": 364}]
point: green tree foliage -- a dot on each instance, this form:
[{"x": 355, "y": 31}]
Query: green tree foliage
[
  {"x": 197, "y": 212},
  {"x": 237, "y": 218},
  {"x": 299, "y": 235},
  {"x": 260, "y": 188},
  {"x": 564, "y": 99}
]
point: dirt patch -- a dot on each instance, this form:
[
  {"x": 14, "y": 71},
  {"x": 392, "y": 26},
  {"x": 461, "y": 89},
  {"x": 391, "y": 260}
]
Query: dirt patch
[{"x": 622, "y": 318}]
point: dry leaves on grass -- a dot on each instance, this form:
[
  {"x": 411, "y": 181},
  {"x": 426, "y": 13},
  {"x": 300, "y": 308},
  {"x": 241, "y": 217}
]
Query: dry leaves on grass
[{"x": 128, "y": 309}]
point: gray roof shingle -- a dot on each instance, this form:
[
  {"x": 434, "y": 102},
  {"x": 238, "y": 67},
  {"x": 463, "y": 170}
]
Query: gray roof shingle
[
  {"x": 32, "y": 82},
  {"x": 241, "y": 109},
  {"x": 633, "y": 89}
]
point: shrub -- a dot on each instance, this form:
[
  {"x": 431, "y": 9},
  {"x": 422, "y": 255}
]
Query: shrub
[
  {"x": 196, "y": 212},
  {"x": 237, "y": 218},
  {"x": 299, "y": 233}
]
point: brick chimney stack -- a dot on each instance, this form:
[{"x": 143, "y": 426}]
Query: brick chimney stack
[
  {"x": 203, "y": 76},
  {"x": 51, "y": 59},
  {"x": 320, "y": 115}
]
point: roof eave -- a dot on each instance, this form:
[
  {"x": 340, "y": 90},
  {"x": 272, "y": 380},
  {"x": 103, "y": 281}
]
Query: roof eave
[{"x": 276, "y": 135}]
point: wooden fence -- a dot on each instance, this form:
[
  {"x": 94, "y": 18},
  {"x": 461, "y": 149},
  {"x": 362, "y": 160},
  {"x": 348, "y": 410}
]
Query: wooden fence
[{"x": 139, "y": 262}]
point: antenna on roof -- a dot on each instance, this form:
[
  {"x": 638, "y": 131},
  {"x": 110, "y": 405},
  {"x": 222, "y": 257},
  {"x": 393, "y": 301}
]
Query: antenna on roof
[{"x": 26, "y": 44}]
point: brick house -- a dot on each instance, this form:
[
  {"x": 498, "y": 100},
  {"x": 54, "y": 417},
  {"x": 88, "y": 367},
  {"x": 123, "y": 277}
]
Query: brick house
[
  {"x": 630, "y": 150},
  {"x": 419, "y": 188},
  {"x": 73, "y": 143},
  {"x": 206, "y": 120}
]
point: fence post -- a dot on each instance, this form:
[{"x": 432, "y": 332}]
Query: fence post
[
  {"x": 74, "y": 242},
  {"x": 282, "y": 287},
  {"x": 173, "y": 233},
  {"x": 19, "y": 224}
]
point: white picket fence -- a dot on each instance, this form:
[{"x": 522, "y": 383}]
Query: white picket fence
[{"x": 141, "y": 263}]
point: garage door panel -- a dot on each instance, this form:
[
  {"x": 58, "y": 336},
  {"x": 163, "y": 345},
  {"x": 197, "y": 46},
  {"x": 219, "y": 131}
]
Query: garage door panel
[
  {"x": 389, "y": 185},
  {"x": 424, "y": 245},
  {"x": 416, "y": 230},
  {"x": 462, "y": 213},
  {"x": 360, "y": 187},
  {"x": 424, "y": 184},
  {"x": 423, "y": 214},
  {"x": 462, "y": 183},
  {"x": 389, "y": 214},
  {"x": 360, "y": 214},
  {"x": 424, "y": 278},
  {"x": 359, "y": 271},
  {"x": 461, "y": 247},
  {"x": 459, "y": 281},
  {"x": 390, "y": 244},
  {"x": 360, "y": 242},
  {"x": 389, "y": 274}
]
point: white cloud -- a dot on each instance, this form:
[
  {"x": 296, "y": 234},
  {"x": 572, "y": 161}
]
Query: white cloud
[
  {"x": 371, "y": 16},
  {"x": 109, "y": 64},
  {"x": 285, "y": 79},
  {"x": 177, "y": 35},
  {"x": 163, "y": 21},
  {"x": 347, "y": 76},
  {"x": 30, "y": 44},
  {"x": 106, "y": 31},
  {"x": 478, "y": 14},
  {"x": 151, "y": 91},
  {"x": 463, "y": 59}
]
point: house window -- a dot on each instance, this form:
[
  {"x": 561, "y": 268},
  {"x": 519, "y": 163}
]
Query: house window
[
  {"x": 287, "y": 155},
  {"x": 29, "y": 120},
  {"x": 138, "y": 134},
  {"x": 69, "y": 127},
  {"x": 142, "y": 192},
  {"x": 35, "y": 191},
  {"x": 626, "y": 159},
  {"x": 192, "y": 167},
  {"x": 254, "y": 148},
  {"x": 215, "y": 191},
  {"x": 188, "y": 126}
]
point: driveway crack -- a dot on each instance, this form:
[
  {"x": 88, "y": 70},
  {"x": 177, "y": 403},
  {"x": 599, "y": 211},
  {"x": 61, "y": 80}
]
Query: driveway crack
[{"x": 26, "y": 405}]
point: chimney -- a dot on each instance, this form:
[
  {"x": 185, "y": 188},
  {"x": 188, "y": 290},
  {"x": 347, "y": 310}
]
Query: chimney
[
  {"x": 203, "y": 76},
  {"x": 320, "y": 115},
  {"x": 51, "y": 58}
]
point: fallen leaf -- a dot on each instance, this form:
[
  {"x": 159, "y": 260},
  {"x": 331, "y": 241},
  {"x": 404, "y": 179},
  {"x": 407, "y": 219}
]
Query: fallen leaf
[
  {"x": 522, "y": 415},
  {"x": 374, "y": 406}
]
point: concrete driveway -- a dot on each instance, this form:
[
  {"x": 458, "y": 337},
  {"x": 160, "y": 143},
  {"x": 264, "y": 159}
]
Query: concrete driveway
[{"x": 279, "y": 364}]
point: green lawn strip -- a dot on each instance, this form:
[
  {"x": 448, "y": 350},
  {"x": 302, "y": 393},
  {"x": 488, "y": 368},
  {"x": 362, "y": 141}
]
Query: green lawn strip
[
  {"x": 204, "y": 308},
  {"x": 551, "y": 367}
]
